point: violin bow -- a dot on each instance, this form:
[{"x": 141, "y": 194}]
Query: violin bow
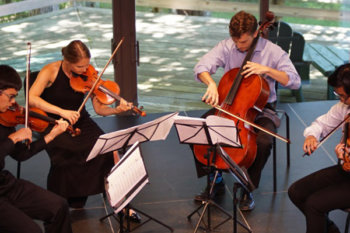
[
  {"x": 325, "y": 138},
  {"x": 26, "y": 115},
  {"x": 252, "y": 124},
  {"x": 100, "y": 75},
  {"x": 27, "y": 85}
]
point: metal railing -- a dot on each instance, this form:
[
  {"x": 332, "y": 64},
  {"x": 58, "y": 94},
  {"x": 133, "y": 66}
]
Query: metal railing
[{"x": 198, "y": 5}]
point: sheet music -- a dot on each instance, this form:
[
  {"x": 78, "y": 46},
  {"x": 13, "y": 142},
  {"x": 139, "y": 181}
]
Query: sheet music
[
  {"x": 126, "y": 178},
  {"x": 221, "y": 130},
  {"x": 190, "y": 130},
  {"x": 157, "y": 129}
]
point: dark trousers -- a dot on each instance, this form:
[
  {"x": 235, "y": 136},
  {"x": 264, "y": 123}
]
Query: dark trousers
[
  {"x": 25, "y": 202},
  {"x": 319, "y": 193}
]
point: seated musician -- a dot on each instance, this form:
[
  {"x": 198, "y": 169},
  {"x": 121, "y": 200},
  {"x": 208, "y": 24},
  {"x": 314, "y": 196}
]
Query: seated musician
[
  {"x": 332, "y": 183},
  {"x": 271, "y": 63},
  {"x": 22, "y": 201},
  {"x": 70, "y": 176}
]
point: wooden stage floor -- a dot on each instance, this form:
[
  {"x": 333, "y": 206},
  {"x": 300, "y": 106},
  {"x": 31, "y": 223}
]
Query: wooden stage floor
[{"x": 173, "y": 181}]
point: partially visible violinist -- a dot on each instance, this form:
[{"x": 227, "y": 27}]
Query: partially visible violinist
[
  {"x": 22, "y": 201},
  {"x": 271, "y": 63},
  {"x": 327, "y": 189},
  {"x": 70, "y": 176}
]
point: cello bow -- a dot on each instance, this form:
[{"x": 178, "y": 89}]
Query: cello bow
[{"x": 286, "y": 140}]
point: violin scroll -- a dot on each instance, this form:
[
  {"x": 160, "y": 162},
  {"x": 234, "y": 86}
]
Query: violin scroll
[{"x": 139, "y": 111}]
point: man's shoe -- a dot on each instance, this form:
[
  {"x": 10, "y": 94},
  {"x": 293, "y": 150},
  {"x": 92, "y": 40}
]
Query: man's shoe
[
  {"x": 247, "y": 202},
  {"x": 219, "y": 189},
  {"x": 133, "y": 216}
]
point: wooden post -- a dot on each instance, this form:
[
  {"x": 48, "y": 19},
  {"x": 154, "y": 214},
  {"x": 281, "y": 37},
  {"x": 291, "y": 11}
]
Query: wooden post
[
  {"x": 125, "y": 61},
  {"x": 264, "y": 7}
]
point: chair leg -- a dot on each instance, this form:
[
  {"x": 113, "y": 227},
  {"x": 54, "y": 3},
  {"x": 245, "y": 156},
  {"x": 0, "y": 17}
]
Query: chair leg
[
  {"x": 274, "y": 152},
  {"x": 288, "y": 137}
]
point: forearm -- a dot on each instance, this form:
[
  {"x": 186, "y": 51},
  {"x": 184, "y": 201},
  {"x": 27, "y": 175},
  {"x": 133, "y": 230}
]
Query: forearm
[
  {"x": 23, "y": 152},
  {"x": 106, "y": 111},
  {"x": 279, "y": 76},
  {"x": 206, "y": 78},
  {"x": 38, "y": 102},
  {"x": 327, "y": 122}
]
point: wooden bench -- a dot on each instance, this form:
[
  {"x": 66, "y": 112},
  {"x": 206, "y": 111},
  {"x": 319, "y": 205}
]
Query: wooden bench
[
  {"x": 326, "y": 58},
  {"x": 293, "y": 43}
]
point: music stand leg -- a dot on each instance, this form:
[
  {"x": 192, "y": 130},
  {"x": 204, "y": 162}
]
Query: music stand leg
[
  {"x": 107, "y": 216},
  {"x": 120, "y": 220},
  {"x": 201, "y": 217},
  {"x": 121, "y": 217},
  {"x": 236, "y": 186},
  {"x": 149, "y": 219},
  {"x": 206, "y": 204}
]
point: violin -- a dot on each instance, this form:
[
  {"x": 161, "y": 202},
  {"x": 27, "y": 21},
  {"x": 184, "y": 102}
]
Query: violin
[
  {"x": 105, "y": 91},
  {"x": 346, "y": 141},
  {"x": 241, "y": 97},
  {"x": 37, "y": 120}
]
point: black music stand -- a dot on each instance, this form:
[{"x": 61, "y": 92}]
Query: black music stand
[
  {"x": 157, "y": 129},
  {"x": 209, "y": 131},
  {"x": 243, "y": 181}
]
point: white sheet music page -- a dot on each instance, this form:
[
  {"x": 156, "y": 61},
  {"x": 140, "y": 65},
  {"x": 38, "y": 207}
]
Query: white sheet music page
[
  {"x": 191, "y": 130},
  {"x": 157, "y": 129},
  {"x": 223, "y": 131},
  {"x": 126, "y": 179}
]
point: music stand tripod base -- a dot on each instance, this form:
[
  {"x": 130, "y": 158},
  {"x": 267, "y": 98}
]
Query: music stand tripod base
[
  {"x": 128, "y": 228},
  {"x": 206, "y": 205}
]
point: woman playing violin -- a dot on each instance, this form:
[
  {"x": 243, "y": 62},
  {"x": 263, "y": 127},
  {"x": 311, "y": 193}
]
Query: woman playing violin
[
  {"x": 70, "y": 175},
  {"x": 327, "y": 189},
  {"x": 21, "y": 201},
  {"x": 270, "y": 62}
]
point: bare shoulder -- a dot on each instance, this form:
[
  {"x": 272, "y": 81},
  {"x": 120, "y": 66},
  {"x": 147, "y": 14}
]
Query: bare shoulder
[
  {"x": 50, "y": 71},
  {"x": 52, "y": 67}
]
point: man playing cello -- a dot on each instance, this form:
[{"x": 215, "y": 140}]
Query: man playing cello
[{"x": 271, "y": 63}]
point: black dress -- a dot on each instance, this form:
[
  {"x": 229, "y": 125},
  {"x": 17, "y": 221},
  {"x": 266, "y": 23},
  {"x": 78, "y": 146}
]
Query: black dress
[{"x": 70, "y": 175}]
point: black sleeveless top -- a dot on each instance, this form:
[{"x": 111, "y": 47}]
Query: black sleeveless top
[
  {"x": 70, "y": 175},
  {"x": 61, "y": 94}
]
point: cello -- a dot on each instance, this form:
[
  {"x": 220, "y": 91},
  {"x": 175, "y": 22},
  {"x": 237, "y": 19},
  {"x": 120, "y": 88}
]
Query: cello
[{"x": 242, "y": 97}]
